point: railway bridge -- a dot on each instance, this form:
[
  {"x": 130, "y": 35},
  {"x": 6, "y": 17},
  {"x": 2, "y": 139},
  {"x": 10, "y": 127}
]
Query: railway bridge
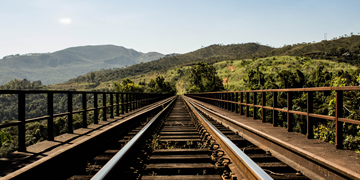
[{"x": 215, "y": 135}]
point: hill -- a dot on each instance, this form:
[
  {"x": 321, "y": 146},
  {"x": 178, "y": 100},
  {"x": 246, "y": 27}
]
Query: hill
[
  {"x": 342, "y": 49},
  {"x": 63, "y": 65},
  {"x": 210, "y": 54}
]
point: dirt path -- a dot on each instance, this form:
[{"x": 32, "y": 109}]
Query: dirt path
[
  {"x": 224, "y": 80},
  {"x": 231, "y": 68}
]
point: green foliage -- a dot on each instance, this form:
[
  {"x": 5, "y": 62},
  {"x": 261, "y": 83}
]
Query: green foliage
[
  {"x": 159, "y": 85},
  {"x": 203, "y": 78},
  {"x": 127, "y": 85},
  {"x": 4, "y": 137}
]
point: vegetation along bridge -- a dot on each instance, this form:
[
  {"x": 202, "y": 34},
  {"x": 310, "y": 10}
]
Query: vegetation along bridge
[{"x": 257, "y": 134}]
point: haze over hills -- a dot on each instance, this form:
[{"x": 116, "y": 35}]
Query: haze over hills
[{"x": 63, "y": 65}]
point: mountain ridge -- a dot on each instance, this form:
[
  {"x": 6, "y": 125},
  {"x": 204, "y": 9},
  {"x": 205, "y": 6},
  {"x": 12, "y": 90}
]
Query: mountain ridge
[{"x": 62, "y": 65}]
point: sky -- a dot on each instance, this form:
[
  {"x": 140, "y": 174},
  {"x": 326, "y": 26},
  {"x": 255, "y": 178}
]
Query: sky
[{"x": 171, "y": 26}]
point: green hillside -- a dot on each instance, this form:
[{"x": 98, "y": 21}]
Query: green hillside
[
  {"x": 210, "y": 54},
  {"x": 342, "y": 49}
]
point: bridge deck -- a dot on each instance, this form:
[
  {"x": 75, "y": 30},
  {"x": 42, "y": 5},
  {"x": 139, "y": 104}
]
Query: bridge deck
[
  {"x": 315, "y": 149},
  {"x": 17, "y": 160}
]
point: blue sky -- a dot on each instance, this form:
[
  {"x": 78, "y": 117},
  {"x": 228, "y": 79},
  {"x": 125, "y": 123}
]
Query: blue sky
[{"x": 36, "y": 26}]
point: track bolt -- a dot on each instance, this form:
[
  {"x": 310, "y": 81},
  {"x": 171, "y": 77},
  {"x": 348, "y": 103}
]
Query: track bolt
[{"x": 268, "y": 153}]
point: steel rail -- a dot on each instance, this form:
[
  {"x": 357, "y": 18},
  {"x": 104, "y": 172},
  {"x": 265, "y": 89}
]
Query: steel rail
[
  {"x": 325, "y": 162},
  {"x": 106, "y": 169},
  {"x": 255, "y": 171}
]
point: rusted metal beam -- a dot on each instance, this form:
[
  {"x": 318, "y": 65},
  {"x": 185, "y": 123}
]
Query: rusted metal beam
[
  {"x": 275, "y": 113},
  {"x": 21, "y": 126},
  {"x": 289, "y": 107},
  {"x": 338, "y": 114},
  {"x": 50, "y": 121},
  {"x": 310, "y": 101},
  {"x": 84, "y": 122}
]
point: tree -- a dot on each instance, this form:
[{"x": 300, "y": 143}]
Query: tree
[
  {"x": 203, "y": 78},
  {"x": 92, "y": 75}
]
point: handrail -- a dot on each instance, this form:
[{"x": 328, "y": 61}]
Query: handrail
[
  {"x": 125, "y": 102},
  {"x": 106, "y": 169},
  {"x": 344, "y": 88},
  {"x": 255, "y": 170},
  {"x": 234, "y": 101}
]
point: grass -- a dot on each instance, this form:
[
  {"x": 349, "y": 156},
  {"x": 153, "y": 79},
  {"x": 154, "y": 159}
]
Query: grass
[{"x": 271, "y": 65}]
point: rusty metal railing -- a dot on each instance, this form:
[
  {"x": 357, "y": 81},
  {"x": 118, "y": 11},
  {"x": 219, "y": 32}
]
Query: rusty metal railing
[
  {"x": 234, "y": 101},
  {"x": 124, "y": 102}
]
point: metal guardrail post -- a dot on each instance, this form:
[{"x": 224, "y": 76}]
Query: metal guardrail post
[
  {"x": 309, "y": 129},
  {"x": 275, "y": 113},
  {"x": 127, "y": 103},
  {"x": 227, "y": 103},
  {"x": 232, "y": 104},
  {"x": 263, "y": 110},
  {"x": 338, "y": 114},
  {"x": 254, "y": 103},
  {"x": 84, "y": 124},
  {"x": 131, "y": 102},
  {"x": 104, "y": 105},
  {"x": 247, "y": 106},
  {"x": 96, "y": 112},
  {"x": 241, "y": 106},
  {"x": 122, "y": 103},
  {"x": 70, "y": 110},
  {"x": 21, "y": 126},
  {"x": 237, "y": 100},
  {"x": 289, "y": 115},
  {"x": 112, "y": 105},
  {"x": 117, "y": 104},
  {"x": 50, "y": 121}
]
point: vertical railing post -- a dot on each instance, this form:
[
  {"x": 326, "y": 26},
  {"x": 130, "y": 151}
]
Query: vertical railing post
[
  {"x": 275, "y": 113},
  {"x": 96, "y": 112},
  {"x": 247, "y": 106},
  {"x": 70, "y": 110},
  {"x": 122, "y": 103},
  {"x": 84, "y": 108},
  {"x": 289, "y": 107},
  {"x": 117, "y": 104},
  {"x": 254, "y": 103},
  {"x": 263, "y": 103},
  {"x": 132, "y": 102},
  {"x": 21, "y": 116},
  {"x": 224, "y": 98},
  {"x": 241, "y": 101},
  {"x": 104, "y": 105},
  {"x": 50, "y": 122},
  {"x": 309, "y": 127},
  {"x": 228, "y": 98},
  {"x": 136, "y": 101},
  {"x": 111, "y": 105},
  {"x": 339, "y": 124},
  {"x": 236, "y": 105},
  {"x": 127, "y": 103},
  {"x": 232, "y": 104}
]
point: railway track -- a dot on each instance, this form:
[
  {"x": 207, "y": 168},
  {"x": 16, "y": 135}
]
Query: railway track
[{"x": 180, "y": 143}]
